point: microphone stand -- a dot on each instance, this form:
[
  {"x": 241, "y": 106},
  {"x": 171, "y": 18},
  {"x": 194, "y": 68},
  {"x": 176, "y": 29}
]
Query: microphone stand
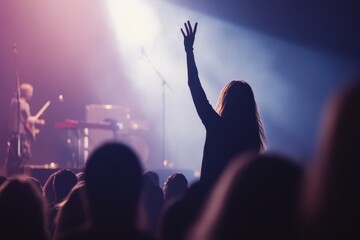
[
  {"x": 164, "y": 84},
  {"x": 18, "y": 101}
]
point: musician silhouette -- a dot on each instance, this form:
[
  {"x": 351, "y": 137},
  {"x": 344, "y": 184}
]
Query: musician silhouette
[{"x": 22, "y": 130}]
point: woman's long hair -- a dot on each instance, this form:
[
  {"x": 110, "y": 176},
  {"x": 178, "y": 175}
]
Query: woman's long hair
[{"x": 237, "y": 105}]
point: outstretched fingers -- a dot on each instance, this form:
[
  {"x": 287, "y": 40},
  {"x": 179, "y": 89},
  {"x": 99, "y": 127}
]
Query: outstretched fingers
[
  {"x": 189, "y": 29},
  {"x": 182, "y": 31},
  {"x": 195, "y": 27},
  {"x": 188, "y": 33}
]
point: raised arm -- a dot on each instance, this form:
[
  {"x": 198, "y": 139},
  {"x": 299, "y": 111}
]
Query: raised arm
[{"x": 205, "y": 111}]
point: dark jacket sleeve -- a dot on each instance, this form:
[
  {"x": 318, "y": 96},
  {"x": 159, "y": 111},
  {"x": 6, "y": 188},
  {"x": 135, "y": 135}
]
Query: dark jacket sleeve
[{"x": 204, "y": 109}]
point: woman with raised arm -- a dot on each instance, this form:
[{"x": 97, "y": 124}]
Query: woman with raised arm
[{"x": 233, "y": 128}]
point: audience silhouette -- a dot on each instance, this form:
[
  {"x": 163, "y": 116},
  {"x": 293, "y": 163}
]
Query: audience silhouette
[
  {"x": 151, "y": 204},
  {"x": 22, "y": 210},
  {"x": 179, "y": 215},
  {"x": 2, "y": 179},
  {"x": 113, "y": 180},
  {"x": 256, "y": 198},
  {"x": 175, "y": 187},
  {"x": 37, "y": 183},
  {"x": 73, "y": 213},
  {"x": 64, "y": 180},
  {"x": 235, "y": 127},
  {"x": 153, "y": 176},
  {"x": 48, "y": 189},
  {"x": 331, "y": 195}
]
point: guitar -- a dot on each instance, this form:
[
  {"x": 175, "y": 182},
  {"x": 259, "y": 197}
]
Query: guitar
[{"x": 30, "y": 123}]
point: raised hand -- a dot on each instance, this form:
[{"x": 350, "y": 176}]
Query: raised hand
[{"x": 189, "y": 37}]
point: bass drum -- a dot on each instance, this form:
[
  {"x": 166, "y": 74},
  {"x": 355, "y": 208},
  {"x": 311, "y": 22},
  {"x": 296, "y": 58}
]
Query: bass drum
[{"x": 139, "y": 145}]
